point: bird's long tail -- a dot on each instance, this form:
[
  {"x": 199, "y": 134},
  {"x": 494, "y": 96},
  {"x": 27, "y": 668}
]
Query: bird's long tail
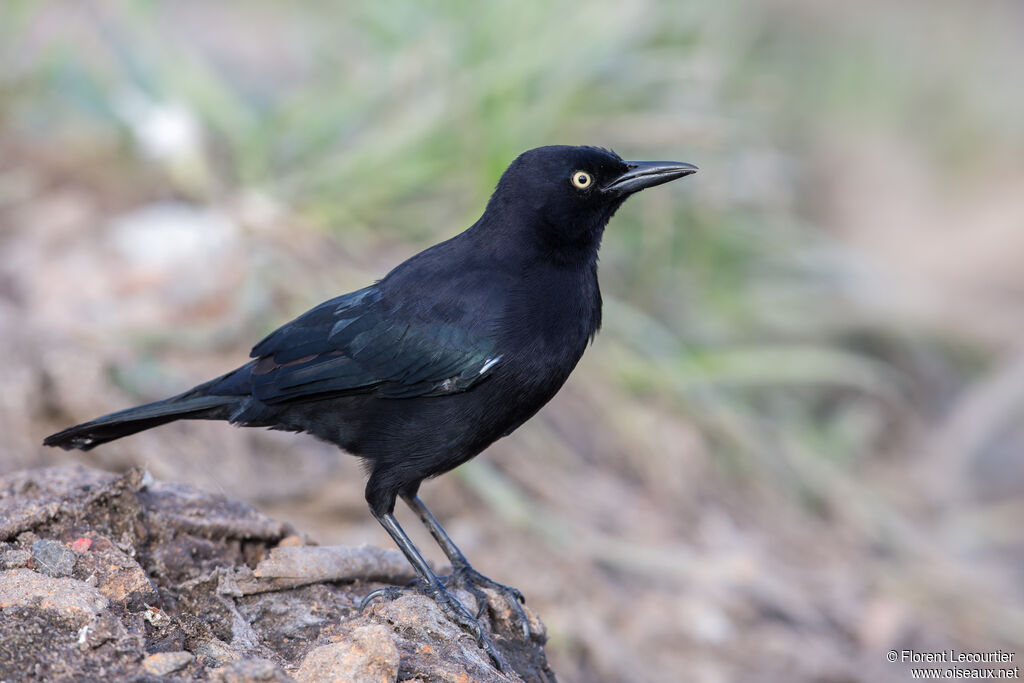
[{"x": 191, "y": 405}]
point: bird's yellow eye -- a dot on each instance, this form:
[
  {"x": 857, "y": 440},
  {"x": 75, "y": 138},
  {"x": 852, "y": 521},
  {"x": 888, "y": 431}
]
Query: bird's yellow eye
[{"x": 581, "y": 179}]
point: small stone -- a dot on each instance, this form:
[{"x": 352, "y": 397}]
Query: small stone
[
  {"x": 163, "y": 663},
  {"x": 291, "y": 541},
  {"x": 73, "y": 600},
  {"x": 81, "y": 545},
  {"x": 105, "y": 627},
  {"x": 251, "y": 671},
  {"x": 156, "y": 616},
  {"x": 370, "y": 656},
  {"x": 118, "y": 575},
  {"x": 214, "y": 652},
  {"x": 53, "y": 558},
  {"x": 15, "y": 559}
]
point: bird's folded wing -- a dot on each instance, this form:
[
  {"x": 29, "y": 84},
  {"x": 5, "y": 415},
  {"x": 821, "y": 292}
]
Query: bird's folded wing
[{"x": 355, "y": 344}]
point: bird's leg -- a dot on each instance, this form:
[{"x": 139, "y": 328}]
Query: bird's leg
[
  {"x": 463, "y": 573},
  {"x": 434, "y": 588}
]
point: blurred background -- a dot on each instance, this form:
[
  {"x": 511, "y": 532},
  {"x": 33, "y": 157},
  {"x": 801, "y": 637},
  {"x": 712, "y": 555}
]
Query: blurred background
[{"x": 796, "y": 444}]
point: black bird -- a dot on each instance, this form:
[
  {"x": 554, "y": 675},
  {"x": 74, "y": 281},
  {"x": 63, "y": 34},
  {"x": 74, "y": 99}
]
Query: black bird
[{"x": 453, "y": 349}]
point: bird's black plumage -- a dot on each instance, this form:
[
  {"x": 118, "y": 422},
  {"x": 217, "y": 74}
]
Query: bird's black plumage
[{"x": 454, "y": 348}]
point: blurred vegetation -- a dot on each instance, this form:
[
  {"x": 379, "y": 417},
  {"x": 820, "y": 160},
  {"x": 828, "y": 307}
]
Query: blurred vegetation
[
  {"x": 733, "y": 301},
  {"x": 393, "y": 123}
]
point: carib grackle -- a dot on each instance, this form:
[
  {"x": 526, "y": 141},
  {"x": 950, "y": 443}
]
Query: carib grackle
[{"x": 453, "y": 349}]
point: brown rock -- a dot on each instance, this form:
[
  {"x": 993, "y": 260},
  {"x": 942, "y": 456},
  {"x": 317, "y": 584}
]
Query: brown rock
[
  {"x": 206, "y": 515},
  {"x": 168, "y": 564},
  {"x": 369, "y": 656},
  {"x": 15, "y": 559},
  {"x": 294, "y": 566},
  {"x": 118, "y": 576},
  {"x": 163, "y": 663},
  {"x": 251, "y": 671},
  {"x": 75, "y": 601},
  {"x": 292, "y": 541},
  {"x": 200, "y": 639},
  {"x": 106, "y": 627},
  {"x": 34, "y": 497}
]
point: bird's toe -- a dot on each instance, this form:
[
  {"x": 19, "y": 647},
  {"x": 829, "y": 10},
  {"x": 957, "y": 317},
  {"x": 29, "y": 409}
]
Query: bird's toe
[{"x": 464, "y": 576}]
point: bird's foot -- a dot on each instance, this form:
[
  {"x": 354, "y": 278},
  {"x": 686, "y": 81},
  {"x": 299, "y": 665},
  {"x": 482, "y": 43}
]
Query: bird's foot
[
  {"x": 465, "y": 577},
  {"x": 451, "y": 607}
]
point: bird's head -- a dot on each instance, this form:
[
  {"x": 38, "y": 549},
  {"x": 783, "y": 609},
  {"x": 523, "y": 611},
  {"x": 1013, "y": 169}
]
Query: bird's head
[{"x": 566, "y": 195}]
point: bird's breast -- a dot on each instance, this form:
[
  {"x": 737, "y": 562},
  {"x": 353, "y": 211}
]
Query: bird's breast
[{"x": 548, "y": 322}]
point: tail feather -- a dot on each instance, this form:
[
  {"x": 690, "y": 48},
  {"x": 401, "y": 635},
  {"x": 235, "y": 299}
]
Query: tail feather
[{"x": 122, "y": 423}]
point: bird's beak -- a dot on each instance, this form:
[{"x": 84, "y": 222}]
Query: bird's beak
[{"x": 644, "y": 174}]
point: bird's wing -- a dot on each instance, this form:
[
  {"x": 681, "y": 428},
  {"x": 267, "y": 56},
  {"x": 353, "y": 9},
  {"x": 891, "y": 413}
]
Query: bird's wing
[{"x": 355, "y": 344}]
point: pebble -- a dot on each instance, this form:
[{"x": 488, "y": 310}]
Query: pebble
[
  {"x": 53, "y": 558},
  {"x": 254, "y": 670},
  {"x": 163, "y": 663},
  {"x": 15, "y": 559},
  {"x": 369, "y": 657}
]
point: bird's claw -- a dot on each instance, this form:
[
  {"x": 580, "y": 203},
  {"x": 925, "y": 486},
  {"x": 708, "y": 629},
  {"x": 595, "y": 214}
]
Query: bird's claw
[
  {"x": 388, "y": 593},
  {"x": 452, "y": 608},
  {"x": 464, "y": 576}
]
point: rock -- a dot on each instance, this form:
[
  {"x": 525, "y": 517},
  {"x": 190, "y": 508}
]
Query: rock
[
  {"x": 207, "y": 647},
  {"x": 31, "y": 498},
  {"x": 292, "y": 541},
  {"x": 432, "y": 644},
  {"x": 294, "y": 566},
  {"x": 53, "y": 558},
  {"x": 106, "y": 627},
  {"x": 119, "y": 577},
  {"x": 167, "y": 580},
  {"x": 369, "y": 656},
  {"x": 206, "y": 515},
  {"x": 74, "y": 601},
  {"x": 15, "y": 559},
  {"x": 251, "y": 671},
  {"x": 163, "y": 663},
  {"x": 81, "y": 545}
]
